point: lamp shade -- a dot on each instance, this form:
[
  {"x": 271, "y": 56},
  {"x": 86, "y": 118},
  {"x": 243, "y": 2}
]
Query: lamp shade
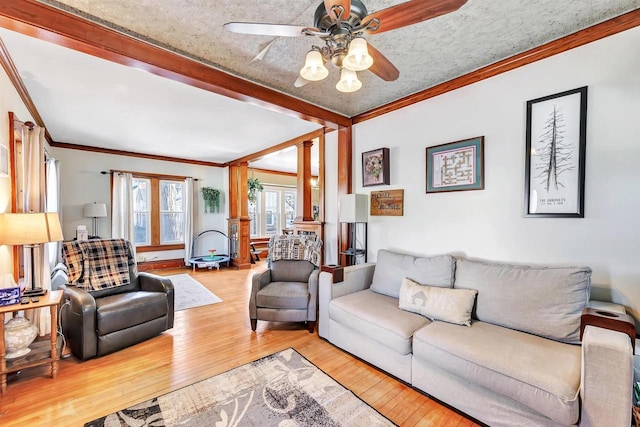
[
  {"x": 95, "y": 210},
  {"x": 358, "y": 58},
  {"x": 354, "y": 208},
  {"x": 314, "y": 69},
  {"x": 29, "y": 228},
  {"x": 348, "y": 81}
]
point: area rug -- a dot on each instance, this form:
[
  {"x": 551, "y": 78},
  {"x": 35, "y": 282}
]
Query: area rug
[
  {"x": 190, "y": 293},
  {"x": 283, "y": 389}
]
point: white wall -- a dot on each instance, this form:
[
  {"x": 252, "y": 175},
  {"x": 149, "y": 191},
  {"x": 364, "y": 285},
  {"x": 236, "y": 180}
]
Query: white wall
[
  {"x": 489, "y": 224},
  {"x": 9, "y": 101},
  {"x": 330, "y": 198},
  {"x": 82, "y": 182}
]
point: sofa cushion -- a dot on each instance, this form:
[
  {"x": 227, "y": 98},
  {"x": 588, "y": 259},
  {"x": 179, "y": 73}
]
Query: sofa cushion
[
  {"x": 122, "y": 311},
  {"x": 448, "y": 305},
  {"x": 540, "y": 373},
  {"x": 291, "y": 271},
  {"x": 293, "y": 295},
  {"x": 545, "y": 301},
  {"x": 377, "y": 317},
  {"x": 392, "y": 267}
]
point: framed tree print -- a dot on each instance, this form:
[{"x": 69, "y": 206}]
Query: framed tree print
[{"x": 555, "y": 155}]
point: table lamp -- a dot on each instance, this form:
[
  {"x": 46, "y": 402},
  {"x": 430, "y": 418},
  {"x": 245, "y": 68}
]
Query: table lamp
[
  {"x": 95, "y": 210},
  {"x": 31, "y": 230}
]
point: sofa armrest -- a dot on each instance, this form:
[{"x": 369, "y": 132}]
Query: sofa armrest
[
  {"x": 607, "y": 378},
  {"x": 356, "y": 278},
  {"x": 79, "y": 322},
  {"x": 312, "y": 309},
  {"x": 154, "y": 283},
  {"x": 257, "y": 282}
]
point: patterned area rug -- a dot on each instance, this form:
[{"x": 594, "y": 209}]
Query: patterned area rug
[
  {"x": 190, "y": 293},
  {"x": 283, "y": 389}
]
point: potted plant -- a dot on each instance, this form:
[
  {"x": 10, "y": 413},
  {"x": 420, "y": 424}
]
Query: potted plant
[
  {"x": 254, "y": 187},
  {"x": 211, "y": 199}
]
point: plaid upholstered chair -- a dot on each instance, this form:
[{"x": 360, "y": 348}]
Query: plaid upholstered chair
[
  {"x": 288, "y": 290},
  {"x": 111, "y": 305}
]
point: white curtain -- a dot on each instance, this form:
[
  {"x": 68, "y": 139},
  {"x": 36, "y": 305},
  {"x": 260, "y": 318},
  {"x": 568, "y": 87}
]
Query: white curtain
[
  {"x": 188, "y": 218},
  {"x": 122, "y": 207},
  {"x": 36, "y": 268},
  {"x": 52, "y": 204}
]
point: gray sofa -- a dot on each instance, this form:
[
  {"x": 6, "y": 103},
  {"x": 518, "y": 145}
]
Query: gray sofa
[{"x": 519, "y": 362}]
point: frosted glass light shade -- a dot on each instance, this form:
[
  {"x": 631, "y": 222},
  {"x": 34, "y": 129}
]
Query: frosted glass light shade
[
  {"x": 95, "y": 210},
  {"x": 353, "y": 208},
  {"x": 314, "y": 68},
  {"x": 29, "y": 228},
  {"x": 348, "y": 81},
  {"x": 358, "y": 58}
]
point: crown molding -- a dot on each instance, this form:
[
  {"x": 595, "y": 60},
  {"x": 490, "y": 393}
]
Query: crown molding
[{"x": 69, "y": 146}]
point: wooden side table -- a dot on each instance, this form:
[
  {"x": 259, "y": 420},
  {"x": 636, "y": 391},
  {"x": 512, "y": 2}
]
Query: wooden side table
[{"x": 42, "y": 352}]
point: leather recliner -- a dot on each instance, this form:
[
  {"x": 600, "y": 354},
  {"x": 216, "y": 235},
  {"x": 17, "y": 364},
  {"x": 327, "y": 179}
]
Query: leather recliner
[{"x": 100, "y": 322}]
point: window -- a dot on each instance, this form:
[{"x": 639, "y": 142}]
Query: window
[
  {"x": 274, "y": 211},
  {"x": 158, "y": 212},
  {"x": 141, "y": 211}
]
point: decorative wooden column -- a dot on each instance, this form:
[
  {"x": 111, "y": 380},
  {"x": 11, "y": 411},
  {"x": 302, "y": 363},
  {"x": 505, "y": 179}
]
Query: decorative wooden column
[
  {"x": 345, "y": 163},
  {"x": 304, "y": 223},
  {"x": 239, "y": 221},
  {"x": 304, "y": 206}
]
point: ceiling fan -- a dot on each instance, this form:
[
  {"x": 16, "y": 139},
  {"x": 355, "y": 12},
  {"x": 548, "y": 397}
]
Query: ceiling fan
[{"x": 341, "y": 24}]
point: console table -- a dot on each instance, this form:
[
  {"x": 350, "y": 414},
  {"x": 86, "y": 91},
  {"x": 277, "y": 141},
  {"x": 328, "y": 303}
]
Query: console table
[{"x": 42, "y": 352}]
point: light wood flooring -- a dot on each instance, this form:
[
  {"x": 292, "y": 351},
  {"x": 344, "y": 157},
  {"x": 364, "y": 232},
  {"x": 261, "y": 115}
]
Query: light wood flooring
[{"x": 205, "y": 341}]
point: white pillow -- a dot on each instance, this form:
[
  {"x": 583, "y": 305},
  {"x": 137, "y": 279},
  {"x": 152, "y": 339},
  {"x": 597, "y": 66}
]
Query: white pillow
[{"x": 436, "y": 303}]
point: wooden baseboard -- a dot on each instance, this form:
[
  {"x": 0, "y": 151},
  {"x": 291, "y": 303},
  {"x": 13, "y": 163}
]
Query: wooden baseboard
[{"x": 160, "y": 264}]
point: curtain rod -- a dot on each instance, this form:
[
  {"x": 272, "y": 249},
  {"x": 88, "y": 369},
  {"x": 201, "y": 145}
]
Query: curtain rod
[{"x": 112, "y": 171}]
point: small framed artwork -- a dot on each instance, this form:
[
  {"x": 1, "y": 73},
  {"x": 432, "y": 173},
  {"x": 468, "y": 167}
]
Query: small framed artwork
[
  {"x": 387, "y": 203},
  {"x": 4, "y": 161},
  {"x": 555, "y": 155},
  {"x": 456, "y": 166},
  {"x": 375, "y": 167}
]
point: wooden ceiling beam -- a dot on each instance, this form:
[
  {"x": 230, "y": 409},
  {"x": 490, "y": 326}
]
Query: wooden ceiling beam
[
  {"x": 295, "y": 141},
  {"x": 48, "y": 23}
]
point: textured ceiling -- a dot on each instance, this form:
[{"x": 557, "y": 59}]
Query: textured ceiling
[{"x": 480, "y": 33}]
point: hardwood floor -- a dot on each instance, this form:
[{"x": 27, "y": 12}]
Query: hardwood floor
[{"x": 205, "y": 341}]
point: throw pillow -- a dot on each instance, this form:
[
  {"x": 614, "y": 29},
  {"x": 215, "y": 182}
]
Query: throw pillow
[
  {"x": 446, "y": 304},
  {"x": 391, "y": 267}
]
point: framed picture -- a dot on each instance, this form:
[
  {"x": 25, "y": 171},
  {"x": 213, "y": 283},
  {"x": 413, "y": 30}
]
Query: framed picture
[
  {"x": 456, "y": 166},
  {"x": 375, "y": 167},
  {"x": 555, "y": 155},
  {"x": 387, "y": 203},
  {"x": 4, "y": 161}
]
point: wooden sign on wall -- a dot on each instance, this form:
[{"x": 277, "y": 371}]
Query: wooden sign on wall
[{"x": 387, "y": 203}]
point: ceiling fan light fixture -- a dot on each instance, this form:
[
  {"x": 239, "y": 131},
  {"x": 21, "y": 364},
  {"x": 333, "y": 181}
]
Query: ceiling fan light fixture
[
  {"x": 358, "y": 58},
  {"x": 314, "y": 69},
  {"x": 348, "y": 81}
]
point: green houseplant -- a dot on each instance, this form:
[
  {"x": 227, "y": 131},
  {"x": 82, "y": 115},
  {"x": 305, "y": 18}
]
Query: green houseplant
[
  {"x": 253, "y": 187},
  {"x": 211, "y": 199}
]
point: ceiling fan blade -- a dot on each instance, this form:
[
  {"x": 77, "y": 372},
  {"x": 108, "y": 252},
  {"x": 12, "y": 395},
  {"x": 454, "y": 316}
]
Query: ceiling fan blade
[
  {"x": 260, "y": 56},
  {"x": 346, "y": 5},
  {"x": 412, "y": 12},
  {"x": 275, "y": 30},
  {"x": 382, "y": 67},
  {"x": 300, "y": 81}
]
